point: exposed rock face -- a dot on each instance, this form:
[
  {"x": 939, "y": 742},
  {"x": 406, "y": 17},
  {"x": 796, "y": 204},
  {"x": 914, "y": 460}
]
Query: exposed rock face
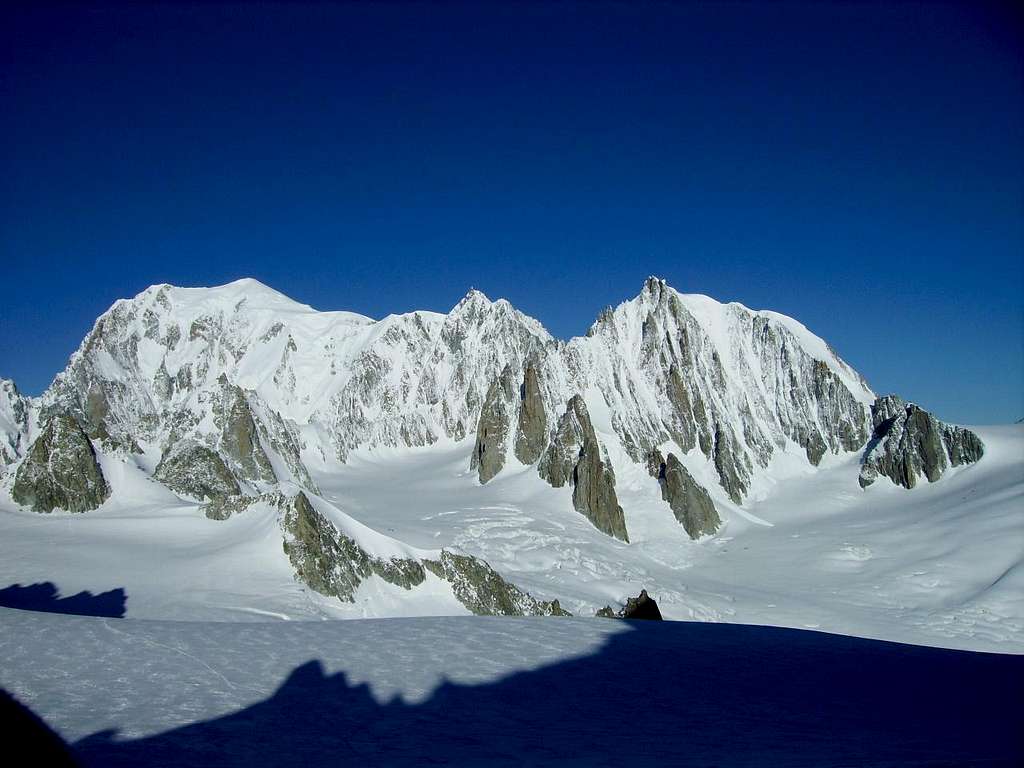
[
  {"x": 239, "y": 436},
  {"x": 332, "y": 563},
  {"x": 60, "y": 470},
  {"x": 484, "y": 592},
  {"x": 909, "y": 442},
  {"x": 283, "y": 438},
  {"x": 194, "y": 470},
  {"x": 14, "y": 424},
  {"x": 736, "y": 383},
  {"x": 532, "y": 434},
  {"x": 574, "y": 455},
  {"x": 689, "y": 500},
  {"x": 558, "y": 462},
  {"x": 962, "y": 445},
  {"x": 733, "y": 469},
  {"x": 223, "y": 507},
  {"x": 594, "y": 495},
  {"x": 492, "y": 429},
  {"x": 642, "y": 607}
]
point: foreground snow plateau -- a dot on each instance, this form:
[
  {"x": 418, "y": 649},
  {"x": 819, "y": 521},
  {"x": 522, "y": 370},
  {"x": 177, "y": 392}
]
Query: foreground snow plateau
[{"x": 503, "y": 692}]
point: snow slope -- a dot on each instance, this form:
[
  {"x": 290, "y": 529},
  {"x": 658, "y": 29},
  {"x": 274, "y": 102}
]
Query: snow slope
[
  {"x": 940, "y": 565},
  {"x": 667, "y": 366},
  {"x": 375, "y": 419},
  {"x": 505, "y": 692}
]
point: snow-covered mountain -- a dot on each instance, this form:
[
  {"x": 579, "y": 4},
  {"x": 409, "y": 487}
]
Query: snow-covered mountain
[
  {"x": 674, "y": 418},
  {"x": 180, "y": 363}
]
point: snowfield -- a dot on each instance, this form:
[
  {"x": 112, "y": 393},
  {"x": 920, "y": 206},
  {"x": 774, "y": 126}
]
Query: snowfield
[
  {"x": 478, "y": 691},
  {"x": 939, "y": 565},
  {"x": 821, "y": 624}
]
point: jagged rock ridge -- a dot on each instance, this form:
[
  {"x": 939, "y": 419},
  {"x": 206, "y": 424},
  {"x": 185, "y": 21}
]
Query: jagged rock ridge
[
  {"x": 334, "y": 563},
  {"x": 268, "y": 385},
  {"x": 688, "y": 499},
  {"x": 574, "y": 455},
  {"x": 15, "y": 412},
  {"x": 909, "y": 442}
]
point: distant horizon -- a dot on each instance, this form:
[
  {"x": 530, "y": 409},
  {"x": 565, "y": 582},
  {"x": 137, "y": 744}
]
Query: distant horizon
[{"x": 858, "y": 167}]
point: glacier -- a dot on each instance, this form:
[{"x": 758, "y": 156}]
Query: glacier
[{"x": 376, "y": 423}]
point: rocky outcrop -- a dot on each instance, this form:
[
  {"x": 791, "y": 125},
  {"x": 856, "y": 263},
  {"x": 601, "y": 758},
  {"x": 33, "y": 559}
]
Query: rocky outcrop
[
  {"x": 492, "y": 429},
  {"x": 594, "y": 494},
  {"x": 484, "y": 592},
  {"x": 14, "y": 424},
  {"x": 689, "y": 500},
  {"x": 909, "y": 442},
  {"x": 737, "y": 383},
  {"x": 574, "y": 455},
  {"x": 532, "y": 431},
  {"x": 641, "y": 607},
  {"x": 244, "y": 370},
  {"x": 962, "y": 445},
  {"x": 282, "y": 438},
  {"x": 733, "y": 467},
  {"x": 334, "y": 564},
  {"x": 223, "y": 507},
  {"x": 239, "y": 435},
  {"x": 558, "y": 462},
  {"x": 330, "y": 562},
  {"x": 194, "y": 470},
  {"x": 60, "y": 470}
]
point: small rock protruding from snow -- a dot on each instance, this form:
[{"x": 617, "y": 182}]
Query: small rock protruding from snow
[{"x": 641, "y": 607}]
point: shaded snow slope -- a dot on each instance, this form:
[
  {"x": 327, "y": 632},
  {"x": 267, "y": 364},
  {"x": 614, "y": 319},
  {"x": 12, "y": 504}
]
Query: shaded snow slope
[{"x": 483, "y": 691}]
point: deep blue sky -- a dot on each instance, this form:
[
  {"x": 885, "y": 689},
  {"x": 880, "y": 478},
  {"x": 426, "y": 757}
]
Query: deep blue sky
[{"x": 860, "y": 167}]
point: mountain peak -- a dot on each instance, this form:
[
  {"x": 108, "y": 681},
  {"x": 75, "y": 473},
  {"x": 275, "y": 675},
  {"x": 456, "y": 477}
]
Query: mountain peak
[
  {"x": 655, "y": 284},
  {"x": 474, "y": 296},
  {"x": 246, "y": 289}
]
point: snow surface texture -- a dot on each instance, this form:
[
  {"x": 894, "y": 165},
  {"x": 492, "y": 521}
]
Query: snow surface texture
[
  {"x": 375, "y": 419},
  {"x": 939, "y": 565},
  {"x": 505, "y": 692}
]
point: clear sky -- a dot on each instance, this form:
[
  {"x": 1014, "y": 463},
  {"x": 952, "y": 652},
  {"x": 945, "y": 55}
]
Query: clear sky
[{"x": 857, "y": 166}]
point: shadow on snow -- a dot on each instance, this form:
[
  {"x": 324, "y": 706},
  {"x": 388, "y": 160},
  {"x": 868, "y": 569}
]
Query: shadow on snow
[
  {"x": 658, "y": 694},
  {"x": 44, "y": 597}
]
